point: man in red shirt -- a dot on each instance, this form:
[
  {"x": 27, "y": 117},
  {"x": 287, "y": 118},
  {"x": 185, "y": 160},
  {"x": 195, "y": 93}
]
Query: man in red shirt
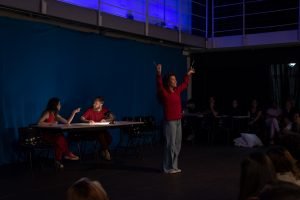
[
  {"x": 98, "y": 113},
  {"x": 171, "y": 100}
]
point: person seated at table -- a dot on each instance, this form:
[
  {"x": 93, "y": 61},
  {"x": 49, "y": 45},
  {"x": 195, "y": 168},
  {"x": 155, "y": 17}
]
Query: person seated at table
[
  {"x": 51, "y": 116},
  {"x": 273, "y": 114},
  {"x": 211, "y": 110},
  {"x": 288, "y": 111},
  {"x": 211, "y": 118},
  {"x": 235, "y": 124},
  {"x": 189, "y": 123},
  {"x": 98, "y": 113},
  {"x": 235, "y": 108},
  {"x": 255, "y": 123}
]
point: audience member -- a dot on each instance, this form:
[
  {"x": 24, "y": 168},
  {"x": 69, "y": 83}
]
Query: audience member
[
  {"x": 211, "y": 110},
  {"x": 279, "y": 191},
  {"x": 235, "y": 108},
  {"x": 85, "y": 189},
  {"x": 256, "y": 171},
  {"x": 272, "y": 122},
  {"x": 290, "y": 139},
  {"x": 189, "y": 120},
  {"x": 284, "y": 164},
  {"x": 287, "y": 115},
  {"x": 255, "y": 118}
]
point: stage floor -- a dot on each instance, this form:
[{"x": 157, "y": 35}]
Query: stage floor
[{"x": 208, "y": 173}]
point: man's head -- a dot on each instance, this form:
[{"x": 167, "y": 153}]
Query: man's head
[
  {"x": 98, "y": 103},
  {"x": 172, "y": 82}
]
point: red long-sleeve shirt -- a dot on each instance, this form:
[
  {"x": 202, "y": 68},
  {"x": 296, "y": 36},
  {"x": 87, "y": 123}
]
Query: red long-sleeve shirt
[{"x": 172, "y": 100}]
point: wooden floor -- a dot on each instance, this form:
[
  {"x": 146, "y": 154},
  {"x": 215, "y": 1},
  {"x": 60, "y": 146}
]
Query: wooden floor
[{"x": 208, "y": 173}]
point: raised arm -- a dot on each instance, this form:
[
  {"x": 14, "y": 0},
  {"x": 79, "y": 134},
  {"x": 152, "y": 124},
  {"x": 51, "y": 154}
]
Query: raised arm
[
  {"x": 68, "y": 121},
  {"x": 159, "y": 81},
  {"x": 186, "y": 79}
]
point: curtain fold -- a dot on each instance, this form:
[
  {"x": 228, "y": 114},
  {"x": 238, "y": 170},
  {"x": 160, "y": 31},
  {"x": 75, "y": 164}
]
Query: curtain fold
[{"x": 285, "y": 83}]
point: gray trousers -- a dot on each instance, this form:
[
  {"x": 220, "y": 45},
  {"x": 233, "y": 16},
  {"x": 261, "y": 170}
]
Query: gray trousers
[{"x": 173, "y": 136}]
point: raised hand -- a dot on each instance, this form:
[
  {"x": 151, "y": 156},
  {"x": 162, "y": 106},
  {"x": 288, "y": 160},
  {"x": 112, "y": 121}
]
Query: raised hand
[
  {"x": 76, "y": 111},
  {"x": 158, "y": 69},
  {"x": 191, "y": 71}
]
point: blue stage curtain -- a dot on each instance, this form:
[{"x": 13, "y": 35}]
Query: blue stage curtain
[{"x": 40, "y": 61}]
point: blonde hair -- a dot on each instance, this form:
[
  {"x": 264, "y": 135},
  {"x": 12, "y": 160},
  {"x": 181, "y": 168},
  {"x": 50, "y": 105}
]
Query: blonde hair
[{"x": 85, "y": 189}]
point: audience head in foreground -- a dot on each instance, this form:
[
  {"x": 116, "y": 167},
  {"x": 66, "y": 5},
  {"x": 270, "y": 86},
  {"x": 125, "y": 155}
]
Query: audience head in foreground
[
  {"x": 280, "y": 191},
  {"x": 85, "y": 189},
  {"x": 256, "y": 171}
]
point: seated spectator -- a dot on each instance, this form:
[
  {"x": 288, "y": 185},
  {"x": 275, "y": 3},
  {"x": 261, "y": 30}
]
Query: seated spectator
[
  {"x": 279, "y": 191},
  {"x": 235, "y": 108},
  {"x": 256, "y": 171},
  {"x": 290, "y": 139},
  {"x": 255, "y": 118},
  {"x": 85, "y": 189},
  {"x": 284, "y": 164},
  {"x": 211, "y": 111},
  {"x": 189, "y": 122},
  {"x": 296, "y": 123},
  {"x": 51, "y": 116},
  {"x": 287, "y": 115},
  {"x": 272, "y": 122},
  {"x": 210, "y": 114}
]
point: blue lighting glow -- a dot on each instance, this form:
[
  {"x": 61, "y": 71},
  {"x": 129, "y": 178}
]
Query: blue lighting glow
[{"x": 165, "y": 13}]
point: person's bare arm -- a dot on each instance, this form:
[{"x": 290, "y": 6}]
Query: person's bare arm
[
  {"x": 83, "y": 119},
  {"x": 69, "y": 120},
  {"x": 43, "y": 119}
]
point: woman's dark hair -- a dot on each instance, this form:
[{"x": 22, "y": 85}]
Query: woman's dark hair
[
  {"x": 279, "y": 159},
  {"x": 280, "y": 191},
  {"x": 85, "y": 189},
  {"x": 52, "y": 104}
]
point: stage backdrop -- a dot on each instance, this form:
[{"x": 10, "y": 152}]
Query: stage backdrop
[{"x": 40, "y": 61}]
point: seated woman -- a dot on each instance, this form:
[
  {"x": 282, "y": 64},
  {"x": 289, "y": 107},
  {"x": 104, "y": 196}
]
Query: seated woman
[
  {"x": 273, "y": 114},
  {"x": 255, "y": 118},
  {"x": 287, "y": 116},
  {"x": 279, "y": 191},
  {"x": 285, "y": 165},
  {"x": 51, "y": 116},
  {"x": 98, "y": 113},
  {"x": 234, "y": 109}
]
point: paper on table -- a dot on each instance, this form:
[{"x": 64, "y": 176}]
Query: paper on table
[{"x": 96, "y": 123}]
